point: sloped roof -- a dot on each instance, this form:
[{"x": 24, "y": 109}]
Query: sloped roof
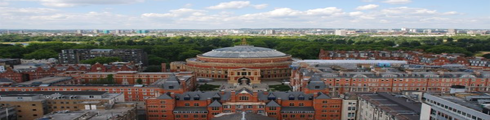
[
  {"x": 283, "y": 95},
  {"x": 215, "y": 104},
  {"x": 322, "y": 96},
  {"x": 164, "y": 96},
  {"x": 272, "y": 103},
  {"x": 203, "y": 95},
  {"x": 244, "y": 51},
  {"x": 248, "y": 116}
]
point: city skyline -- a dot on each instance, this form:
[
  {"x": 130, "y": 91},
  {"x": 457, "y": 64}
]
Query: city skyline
[{"x": 225, "y": 14}]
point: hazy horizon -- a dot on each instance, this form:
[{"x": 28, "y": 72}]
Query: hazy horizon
[{"x": 251, "y": 14}]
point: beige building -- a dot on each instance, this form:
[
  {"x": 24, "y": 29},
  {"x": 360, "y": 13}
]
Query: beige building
[{"x": 32, "y": 105}]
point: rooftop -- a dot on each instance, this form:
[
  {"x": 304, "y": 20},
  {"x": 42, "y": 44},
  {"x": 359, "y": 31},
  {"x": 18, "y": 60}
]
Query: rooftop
[
  {"x": 46, "y": 80},
  {"x": 238, "y": 116},
  {"x": 396, "y": 106},
  {"x": 243, "y": 51}
]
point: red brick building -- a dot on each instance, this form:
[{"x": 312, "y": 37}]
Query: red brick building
[
  {"x": 22, "y": 75},
  {"x": 279, "y": 105},
  {"x": 175, "y": 84},
  {"x": 219, "y": 63},
  {"x": 337, "y": 80}
]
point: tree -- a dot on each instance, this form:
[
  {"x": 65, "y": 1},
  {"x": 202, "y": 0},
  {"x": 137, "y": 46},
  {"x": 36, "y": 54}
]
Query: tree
[
  {"x": 41, "y": 54},
  {"x": 101, "y": 60},
  {"x": 153, "y": 68},
  {"x": 110, "y": 79},
  {"x": 486, "y": 56},
  {"x": 139, "y": 81}
]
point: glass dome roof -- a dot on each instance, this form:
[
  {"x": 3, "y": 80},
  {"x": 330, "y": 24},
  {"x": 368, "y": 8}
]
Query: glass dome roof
[{"x": 243, "y": 51}]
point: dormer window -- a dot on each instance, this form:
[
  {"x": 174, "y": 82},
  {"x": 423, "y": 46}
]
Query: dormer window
[
  {"x": 271, "y": 97},
  {"x": 301, "y": 97},
  {"x": 196, "y": 97},
  {"x": 187, "y": 97},
  {"x": 291, "y": 97}
]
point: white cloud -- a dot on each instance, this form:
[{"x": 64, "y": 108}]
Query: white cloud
[
  {"x": 328, "y": 17},
  {"x": 451, "y": 13},
  {"x": 72, "y": 3},
  {"x": 397, "y": 1},
  {"x": 3, "y": 3},
  {"x": 408, "y": 11},
  {"x": 357, "y": 13},
  {"x": 182, "y": 12},
  {"x": 324, "y": 11},
  {"x": 260, "y": 6},
  {"x": 367, "y": 7},
  {"x": 236, "y": 5}
]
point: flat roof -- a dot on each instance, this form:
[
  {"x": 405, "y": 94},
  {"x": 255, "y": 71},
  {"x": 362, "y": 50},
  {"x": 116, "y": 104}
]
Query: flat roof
[
  {"x": 354, "y": 61},
  {"x": 53, "y": 92},
  {"x": 46, "y": 80},
  {"x": 398, "y": 107}
]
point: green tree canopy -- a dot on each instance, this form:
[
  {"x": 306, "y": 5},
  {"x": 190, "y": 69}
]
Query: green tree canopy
[{"x": 41, "y": 54}]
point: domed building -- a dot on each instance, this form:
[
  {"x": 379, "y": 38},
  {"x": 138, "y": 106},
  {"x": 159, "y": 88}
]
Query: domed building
[{"x": 243, "y": 64}]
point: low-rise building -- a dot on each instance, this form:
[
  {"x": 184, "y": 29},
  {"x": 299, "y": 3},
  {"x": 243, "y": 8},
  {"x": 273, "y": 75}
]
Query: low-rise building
[
  {"x": 32, "y": 105},
  {"x": 456, "y": 106},
  {"x": 385, "y": 106}
]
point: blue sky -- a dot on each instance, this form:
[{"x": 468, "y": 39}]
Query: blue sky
[{"x": 225, "y": 14}]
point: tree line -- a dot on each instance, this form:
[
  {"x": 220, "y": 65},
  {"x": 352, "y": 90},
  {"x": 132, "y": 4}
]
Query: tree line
[{"x": 168, "y": 49}]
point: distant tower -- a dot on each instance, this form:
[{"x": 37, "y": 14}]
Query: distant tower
[
  {"x": 270, "y": 32},
  {"x": 244, "y": 41},
  {"x": 340, "y": 32},
  {"x": 8, "y": 32},
  {"x": 79, "y": 31},
  {"x": 95, "y": 31},
  {"x": 106, "y": 31},
  {"x": 404, "y": 29},
  {"x": 117, "y": 31},
  {"x": 451, "y": 31}
]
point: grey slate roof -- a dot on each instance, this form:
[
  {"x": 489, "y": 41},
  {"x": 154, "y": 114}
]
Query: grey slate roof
[
  {"x": 203, "y": 95},
  {"x": 164, "y": 96},
  {"x": 54, "y": 92},
  {"x": 284, "y": 95},
  {"x": 316, "y": 83},
  {"x": 322, "y": 96},
  {"x": 248, "y": 116},
  {"x": 172, "y": 83},
  {"x": 190, "y": 109},
  {"x": 244, "y": 51},
  {"x": 215, "y": 104},
  {"x": 5, "y": 80},
  {"x": 244, "y": 89},
  {"x": 272, "y": 103},
  {"x": 284, "y": 109}
]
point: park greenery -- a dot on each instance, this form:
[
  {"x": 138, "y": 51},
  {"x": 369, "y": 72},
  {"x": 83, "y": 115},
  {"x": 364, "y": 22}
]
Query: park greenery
[
  {"x": 168, "y": 49},
  {"x": 208, "y": 87},
  {"x": 280, "y": 87}
]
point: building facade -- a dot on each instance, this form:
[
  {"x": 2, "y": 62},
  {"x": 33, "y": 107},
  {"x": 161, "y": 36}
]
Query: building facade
[
  {"x": 279, "y": 105},
  {"x": 384, "y": 77},
  {"x": 75, "y": 56},
  {"x": 455, "y": 106},
  {"x": 217, "y": 64}
]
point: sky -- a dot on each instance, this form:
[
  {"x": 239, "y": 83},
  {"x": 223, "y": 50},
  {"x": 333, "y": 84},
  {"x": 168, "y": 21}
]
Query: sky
[{"x": 225, "y": 14}]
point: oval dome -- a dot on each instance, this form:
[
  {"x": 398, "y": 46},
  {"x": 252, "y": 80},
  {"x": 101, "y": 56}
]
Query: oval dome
[{"x": 243, "y": 51}]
